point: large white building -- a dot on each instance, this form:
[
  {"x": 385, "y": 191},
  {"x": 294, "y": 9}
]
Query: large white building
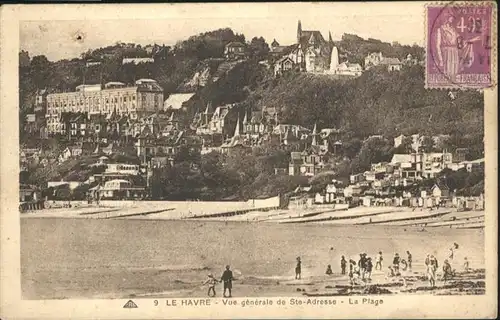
[{"x": 144, "y": 98}]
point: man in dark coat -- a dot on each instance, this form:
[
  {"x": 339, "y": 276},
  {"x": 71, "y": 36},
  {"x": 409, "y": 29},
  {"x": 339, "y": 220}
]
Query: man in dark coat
[{"x": 227, "y": 279}]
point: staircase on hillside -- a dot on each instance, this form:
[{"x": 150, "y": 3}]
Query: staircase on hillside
[{"x": 224, "y": 68}]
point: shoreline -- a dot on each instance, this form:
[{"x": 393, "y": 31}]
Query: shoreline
[{"x": 383, "y": 216}]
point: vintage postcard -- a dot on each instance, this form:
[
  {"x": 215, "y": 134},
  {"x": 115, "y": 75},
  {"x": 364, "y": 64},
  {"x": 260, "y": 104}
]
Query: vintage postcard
[{"x": 250, "y": 160}]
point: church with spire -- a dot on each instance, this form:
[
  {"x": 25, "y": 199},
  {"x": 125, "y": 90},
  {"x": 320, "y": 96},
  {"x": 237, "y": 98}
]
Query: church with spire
[{"x": 312, "y": 50}]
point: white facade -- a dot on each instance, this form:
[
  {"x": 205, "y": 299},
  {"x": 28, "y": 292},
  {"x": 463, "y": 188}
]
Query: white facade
[
  {"x": 122, "y": 168},
  {"x": 145, "y": 97}
]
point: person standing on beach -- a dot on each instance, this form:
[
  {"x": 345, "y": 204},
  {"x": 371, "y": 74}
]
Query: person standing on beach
[
  {"x": 409, "y": 259},
  {"x": 329, "y": 270},
  {"x": 343, "y": 264},
  {"x": 378, "y": 261},
  {"x": 395, "y": 263},
  {"x": 298, "y": 269},
  {"x": 362, "y": 265},
  {"x": 211, "y": 281},
  {"x": 404, "y": 265},
  {"x": 227, "y": 279},
  {"x": 466, "y": 265},
  {"x": 369, "y": 267},
  {"x": 447, "y": 272},
  {"x": 431, "y": 270}
]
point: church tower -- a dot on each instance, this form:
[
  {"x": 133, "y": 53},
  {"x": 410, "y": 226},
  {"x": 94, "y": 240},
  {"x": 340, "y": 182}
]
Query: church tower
[
  {"x": 299, "y": 32},
  {"x": 330, "y": 40}
]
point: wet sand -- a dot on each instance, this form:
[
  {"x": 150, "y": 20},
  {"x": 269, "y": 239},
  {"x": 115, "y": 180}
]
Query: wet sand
[{"x": 74, "y": 258}]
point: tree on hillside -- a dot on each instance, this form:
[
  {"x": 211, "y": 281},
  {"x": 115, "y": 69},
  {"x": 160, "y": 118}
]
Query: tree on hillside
[
  {"x": 258, "y": 48},
  {"x": 405, "y": 146},
  {"x": 374, "y": 150},
  {"x": 427, "y": 144}
]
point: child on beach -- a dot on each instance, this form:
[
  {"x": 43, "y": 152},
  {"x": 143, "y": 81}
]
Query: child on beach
[
  {"x": 352, "y": 264},
  {"x": 390, "y": 272},
  {"x": 329, "y": 270},
  {"x": 343, "y": 264},
  {"x": 404, "y": 265},
  {"x": 447, "y": 272},
  {"x": 211, "y": 281},
  {"x": 466, "y": 265},
  {"x": 410, "y": 258},
  {"x": 378, "y": 261}
]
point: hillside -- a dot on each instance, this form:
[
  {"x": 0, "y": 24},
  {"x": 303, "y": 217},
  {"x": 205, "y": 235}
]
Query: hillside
[
  {"x": 378, "y": 102},
  {"x": 354, "y": 49}
]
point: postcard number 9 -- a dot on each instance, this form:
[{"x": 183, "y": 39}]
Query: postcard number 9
[{"x": 156, "y": 303}]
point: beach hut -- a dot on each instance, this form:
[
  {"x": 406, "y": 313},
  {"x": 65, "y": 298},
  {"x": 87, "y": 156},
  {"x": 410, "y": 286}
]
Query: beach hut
[{"x": 368, "y": 201}]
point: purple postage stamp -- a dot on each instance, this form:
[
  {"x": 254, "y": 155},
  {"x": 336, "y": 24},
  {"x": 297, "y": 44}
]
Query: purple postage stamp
[{"x": 459, "y": 42}]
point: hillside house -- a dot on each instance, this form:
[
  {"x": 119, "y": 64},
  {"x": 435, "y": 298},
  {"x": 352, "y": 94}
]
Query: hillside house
[
  {"x": 460, "y": 154},
  {"x": 236, "y": 142},
  {"x": 392, "y": 64},
  {"x": 334, "y": 192},
  {"x": 283, "y": 65},
  {"x": 307, "y": 163},
  {"x": 376, "y": 58},
  {"x": 149, "y": 146},
  {"x": 277, "y": 50},
  {"x": 349, "y": 69},
  {"x": 218, "y": 124},
  {"x": 29, "y": 193},
  {"x": 474, "y": 165},
  {"x": 118, "y": 189},
  {"x": 41, "y": 100},
  {"x": 235, "y": 50},
  {"x": 176, "y": 101},
  {"x": 371, "y": 176},
  {"x": 440, "y": 190}
]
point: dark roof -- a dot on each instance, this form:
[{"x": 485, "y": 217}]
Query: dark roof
[
  {"x": 441, "y": 185},
  {"x": 390, "y": 60},
  {"x": 256, "y": 117},
  {"x": 279, "y": 49},
  {"x": 313, "y": 35},
  {"x": 235, "y": 44},
  {"x": 283, "y": 59}
]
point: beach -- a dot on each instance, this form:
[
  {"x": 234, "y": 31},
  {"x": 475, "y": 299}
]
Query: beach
[{"x": 65, "y": 258}]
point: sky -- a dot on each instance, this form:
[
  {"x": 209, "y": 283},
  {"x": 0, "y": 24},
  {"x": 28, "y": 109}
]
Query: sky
[{"x": 49, "y": 35}]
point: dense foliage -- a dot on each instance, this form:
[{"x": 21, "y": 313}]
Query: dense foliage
[{"x": 376, "y": 103}]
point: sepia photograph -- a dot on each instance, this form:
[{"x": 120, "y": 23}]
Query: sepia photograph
[{"x": 298, "y": 154}]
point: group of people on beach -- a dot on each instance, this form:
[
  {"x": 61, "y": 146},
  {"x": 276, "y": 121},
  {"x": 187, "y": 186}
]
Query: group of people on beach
[{"x": 361, "y": 270}]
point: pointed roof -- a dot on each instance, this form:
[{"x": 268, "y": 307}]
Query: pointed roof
[
  {"x": 314, "y": 135},
  {"x": 275, "y": 43},
  {"x": 146, "y": 132},
  {"x": 237, "y": 129},
  {"x": 208, "y": 108},
  {"x": 171, "y": 118},
  {"x": 330, "y": 37},
  {"x": 245, "y": 119}
]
